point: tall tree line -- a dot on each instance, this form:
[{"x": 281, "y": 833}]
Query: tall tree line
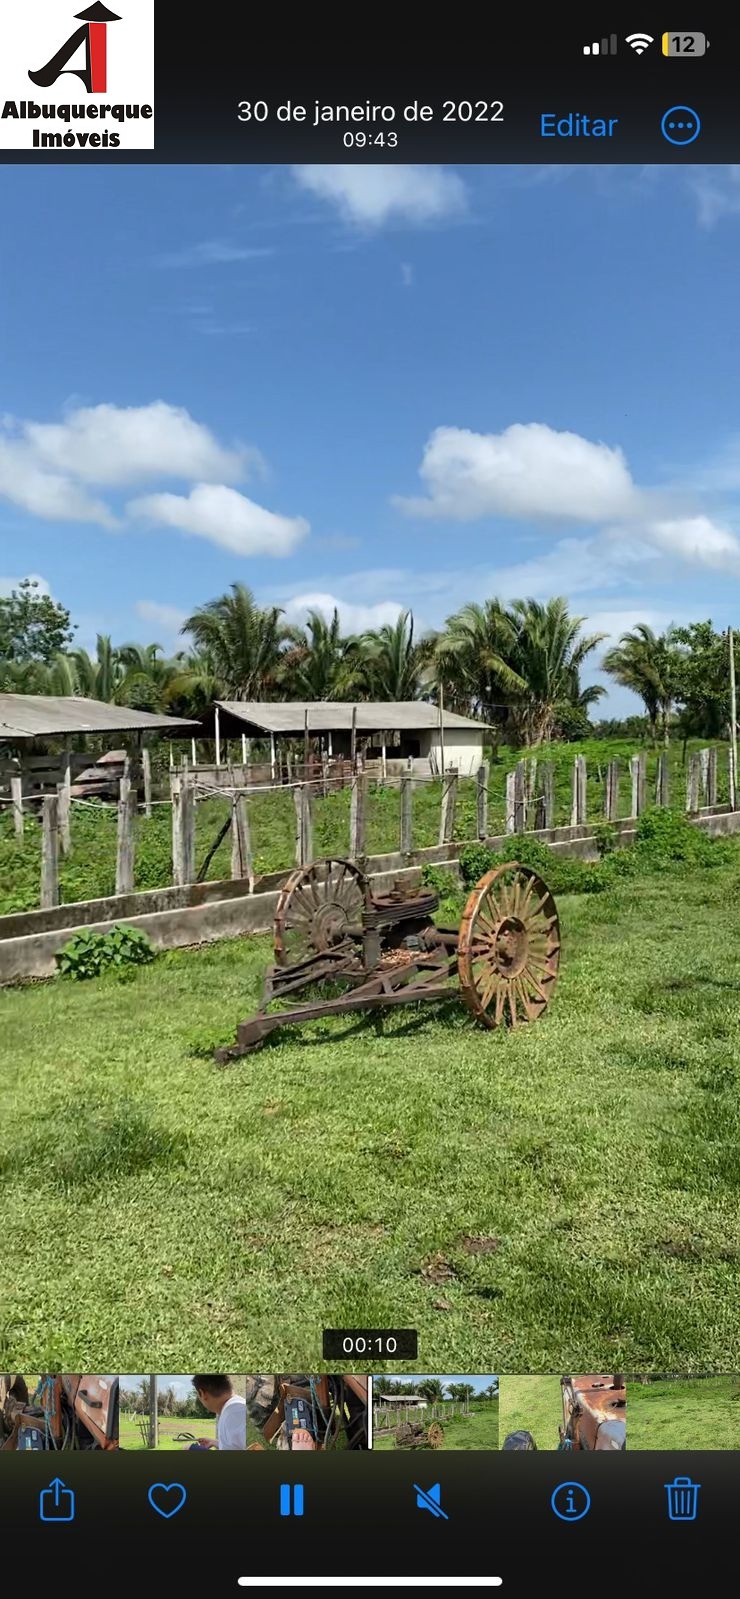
[{"x": 518, "y": 666}]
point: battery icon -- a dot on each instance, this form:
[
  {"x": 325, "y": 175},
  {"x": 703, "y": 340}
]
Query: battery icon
[{"x": 684, "y": 45}]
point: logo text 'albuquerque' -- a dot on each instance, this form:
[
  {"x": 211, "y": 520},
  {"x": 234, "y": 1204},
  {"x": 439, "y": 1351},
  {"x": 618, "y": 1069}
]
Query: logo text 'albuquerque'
[{"x": 94, "y": 35}]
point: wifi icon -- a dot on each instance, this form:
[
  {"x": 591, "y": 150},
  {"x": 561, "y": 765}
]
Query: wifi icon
[{"x": 639, "y": 42}]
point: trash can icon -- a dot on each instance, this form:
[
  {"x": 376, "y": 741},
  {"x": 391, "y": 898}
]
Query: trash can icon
[{"x": 683, "y": 1496}]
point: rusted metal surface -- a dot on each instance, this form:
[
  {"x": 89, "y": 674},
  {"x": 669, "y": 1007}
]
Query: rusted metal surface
[
  {"x": 64, "y": 1412},
  {"x": 386, "y": 949},
  {"x": 509, "y": 947},
  {"x": 594, "y": 1412}
]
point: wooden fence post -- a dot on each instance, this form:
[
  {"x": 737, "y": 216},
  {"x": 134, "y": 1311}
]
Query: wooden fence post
[
  {"x": 407, "y": 815},
  {"x": 50, "y": 852},
  {"x": 638, "y": 774},
  {"x": 704, "y": 773},
  {"x": 65, "y": 802},
  {"x": 16, "y": 795},
  {"x": 520, "y": 797},
  {"x": 530, "y": 791},
  {"x": 544, "y": 810},
  {"x": 712, "y": 777},
  {"x": 447, "y": 811},
  {"x": 357, "y": 816},
  {"x": 693, "y": 777},
  {"x": 662, "y": 781},
  {"x": 242, "y": 863},
  {"x": 578, "y": 807},
  {"x": 510, "y": 823},
  {"x": 303, "y": 825},
  {"x": 146, "y": 762},
  {"x": 482, "y": 799},
  {"x": 183, "y": 830},
  {"x": 125, "y": 837},
  {"x": 611, "y": 792}
]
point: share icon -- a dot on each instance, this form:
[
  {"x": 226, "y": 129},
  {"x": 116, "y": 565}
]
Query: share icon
[{"x": 429, "y": 1499}]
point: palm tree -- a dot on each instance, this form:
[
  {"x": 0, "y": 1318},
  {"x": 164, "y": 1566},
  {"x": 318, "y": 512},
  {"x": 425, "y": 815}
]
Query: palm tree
[
  {"x": 147, "y": 680},
  {"x": 549, "y": 653},
  {"x": 430, "y": 1388},
  {"x": 323, "y": 664},
  {"x": 473, "y": 660},
  {"x": 96, "y": 677},
  {"x": 645, "y": 662},
  {"x": 393, "y": 664},
  {"x": 518, "y": 666},
  {"x": 243, "y": 646}
]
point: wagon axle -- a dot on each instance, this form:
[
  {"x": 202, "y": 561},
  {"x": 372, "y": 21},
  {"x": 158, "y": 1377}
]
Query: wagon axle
[{"x": 386, "y": 949}]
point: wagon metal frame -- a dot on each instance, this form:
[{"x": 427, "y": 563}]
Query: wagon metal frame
[{"x": 386, "y": 949}]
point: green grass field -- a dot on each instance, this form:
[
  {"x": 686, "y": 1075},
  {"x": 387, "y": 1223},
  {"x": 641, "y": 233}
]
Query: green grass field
[
  {"x": 89, "y": 871},
  {"x": 161, "y": 1211},
  {"x": 699, "y": 1414},
  {"x": 531, "y": 1404},
  {"x": 479, "y": 1429},
  {"x": 130, "y": 1432}
]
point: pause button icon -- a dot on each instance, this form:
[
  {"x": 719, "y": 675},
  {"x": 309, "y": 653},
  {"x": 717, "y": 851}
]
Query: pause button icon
[{"x": 291, "y": 1499}]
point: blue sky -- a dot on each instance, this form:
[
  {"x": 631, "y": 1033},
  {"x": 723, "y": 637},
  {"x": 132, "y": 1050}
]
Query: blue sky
[{"x": 380, "y": 387}]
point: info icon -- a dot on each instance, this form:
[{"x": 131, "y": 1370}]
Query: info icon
[{"x": 571, "y": 1501}]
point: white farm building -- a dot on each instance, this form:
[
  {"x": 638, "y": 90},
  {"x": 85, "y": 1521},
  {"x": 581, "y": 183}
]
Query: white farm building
[{"x": 404, "y": 735}]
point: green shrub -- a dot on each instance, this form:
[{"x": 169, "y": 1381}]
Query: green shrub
[
  {"x": 88, "y": 954},
  {"x": 605, "y": 838},
  {"x": 666, "y": 835},
  {"x": 442, "y": 879}
]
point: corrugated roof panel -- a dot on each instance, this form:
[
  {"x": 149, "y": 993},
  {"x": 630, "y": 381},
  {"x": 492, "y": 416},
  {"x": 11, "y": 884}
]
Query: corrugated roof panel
[
  {"x": 25, "y": 716},
  {"x": 288, "y": 716}
]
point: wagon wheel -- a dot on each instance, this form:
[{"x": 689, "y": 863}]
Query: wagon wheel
[
  {"x": 316, "y": 906},
  {"x": 435, "y": 1435},
  {"x": 509, "y": 947}
]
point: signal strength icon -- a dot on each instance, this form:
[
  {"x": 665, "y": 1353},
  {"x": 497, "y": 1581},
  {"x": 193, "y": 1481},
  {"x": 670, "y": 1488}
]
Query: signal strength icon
[
  {"x": 607, "y": 47},
  {"x": 639, "y": 42}
]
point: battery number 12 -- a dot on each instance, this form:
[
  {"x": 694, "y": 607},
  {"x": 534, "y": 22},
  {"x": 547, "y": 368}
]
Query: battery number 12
[{"x": 684, "y": 44}]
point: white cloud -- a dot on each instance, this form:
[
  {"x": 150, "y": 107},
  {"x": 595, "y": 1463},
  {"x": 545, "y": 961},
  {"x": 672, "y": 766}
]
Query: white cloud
[
  {"x": 225, "y": 517},
  {"x": 529, "y": 470},
  {"x": 716, "y": 191},
  {"x": 168, "y": 617},
  {"x": 110, "y": 444},
  {"x": 50, "y": 495},
  {"x": 354, "y": 618},
  {"x": 211, "y": 252},
  {"x": 697, "y": 540},
  {"x": 373, "y": 195}
]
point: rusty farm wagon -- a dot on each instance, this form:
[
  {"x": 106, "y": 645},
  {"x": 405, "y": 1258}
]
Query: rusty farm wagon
[{"x": 386, "y": 949}]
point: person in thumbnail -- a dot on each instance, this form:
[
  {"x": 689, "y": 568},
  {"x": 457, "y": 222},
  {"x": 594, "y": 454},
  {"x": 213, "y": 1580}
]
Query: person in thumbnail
[{"x": 217, "y": 1395}]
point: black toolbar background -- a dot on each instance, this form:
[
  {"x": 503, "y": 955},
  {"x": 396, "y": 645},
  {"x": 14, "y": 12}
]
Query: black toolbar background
[
  {"x": 204, "y": 67},
  {"x": 361, "y": 1518}
]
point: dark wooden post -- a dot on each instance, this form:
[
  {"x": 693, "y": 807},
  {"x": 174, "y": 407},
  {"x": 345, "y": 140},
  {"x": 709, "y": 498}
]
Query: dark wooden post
[
  {"x": 407, "y": 815},
  {"x": 16, "y": 795},
  {"x": 357, "y": 817},
  {"x": 303, "y": 825},
  {"x": 712, "y": 777},
  {"x": 447, "y": 811},
  {"x": 578, "y": 807},
  {"x": 545, "y": 804},
  {"x": 50, "y": 852},
  {"x": 125, "y": 837},
  {"x": 482, "y": 799},
  {"x": 611, "y": 792},
  {"x": 662, "y": 781},
  {"x": 242, "y": 863}
]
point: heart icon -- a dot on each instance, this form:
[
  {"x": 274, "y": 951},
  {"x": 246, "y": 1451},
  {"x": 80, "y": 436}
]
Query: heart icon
[{"x": 167, "y": 1498}]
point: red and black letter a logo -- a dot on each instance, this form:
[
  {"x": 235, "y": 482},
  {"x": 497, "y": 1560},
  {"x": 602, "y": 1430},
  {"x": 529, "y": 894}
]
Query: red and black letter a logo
[{"x": 93, "y": 34}]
